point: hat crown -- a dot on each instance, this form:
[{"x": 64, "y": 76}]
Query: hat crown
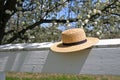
[{"x": 73, "y": 35}]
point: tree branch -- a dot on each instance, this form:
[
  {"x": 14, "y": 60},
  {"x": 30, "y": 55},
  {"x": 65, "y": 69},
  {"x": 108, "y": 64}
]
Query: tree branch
[
  {"x": 1, "y": 4},
  {"x": 117, "y": 14},
  {"x": 49, "y": 10},
  {"x": 16, "y": 35},
  {"x": 102, "y": 10},
  {"x": 20, "y": 33},
  {"x": 10, "y": 7},
  {"x": 109, "y": 5}
]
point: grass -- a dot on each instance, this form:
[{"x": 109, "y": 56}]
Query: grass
[{"x": 38, "y": 76}]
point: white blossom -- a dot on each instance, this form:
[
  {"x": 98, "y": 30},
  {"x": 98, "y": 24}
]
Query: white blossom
[
  {"x": 68, "y": 25},
  {"x": 94, "y": 11},
  {"x": 67, "y": 21},
  {"x": 55, "y": 23},
  {"x": 82, "y": 27},
  {"x": 79, "y": 16},
  {"x": 88, "y": 16},
  {"x": 8, "y": 12},
  {"x": 89, "y": 11},
  {"x": 86, "y": 21},
  {"x": 98, "y": 33},
  {"x": 97, "y": 11},
  {"x": 18, "y": 7},
  {"x": 23, "y": 23},
  {"x": 32, "y": 37},
  {"x": 79, "y": 20},
  {"x": 95, "y": 22},
  {"x": 83, "y": 24}
]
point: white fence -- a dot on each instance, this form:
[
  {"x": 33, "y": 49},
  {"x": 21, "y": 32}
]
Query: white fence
[{"x": 103, "y": 58}]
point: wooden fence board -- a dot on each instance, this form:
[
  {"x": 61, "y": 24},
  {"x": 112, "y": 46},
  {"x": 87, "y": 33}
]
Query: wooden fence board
[{"x": 103, "y": 58}]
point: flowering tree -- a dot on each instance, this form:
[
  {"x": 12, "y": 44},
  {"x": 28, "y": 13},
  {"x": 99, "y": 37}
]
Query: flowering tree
[{"x": 19, "y": 18}]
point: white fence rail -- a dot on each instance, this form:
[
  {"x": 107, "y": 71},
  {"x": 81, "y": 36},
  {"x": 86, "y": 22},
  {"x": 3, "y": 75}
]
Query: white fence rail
[{"x": 103, "y": 58}]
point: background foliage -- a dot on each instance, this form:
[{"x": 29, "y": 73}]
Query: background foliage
[{"x": 44, "y": 20}]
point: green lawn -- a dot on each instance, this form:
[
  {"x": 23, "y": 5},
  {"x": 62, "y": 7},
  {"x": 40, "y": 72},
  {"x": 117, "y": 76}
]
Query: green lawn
[{"x": 37, "y": 76}]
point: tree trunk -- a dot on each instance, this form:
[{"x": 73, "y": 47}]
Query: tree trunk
[
  {"x": 4, "y": 17},
  {"x": 3, "y": 21},
  {"x": 2, "y": 30}
]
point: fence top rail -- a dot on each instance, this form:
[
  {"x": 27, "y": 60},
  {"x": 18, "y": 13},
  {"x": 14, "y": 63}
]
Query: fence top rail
[{"x": 104, "y": 43}]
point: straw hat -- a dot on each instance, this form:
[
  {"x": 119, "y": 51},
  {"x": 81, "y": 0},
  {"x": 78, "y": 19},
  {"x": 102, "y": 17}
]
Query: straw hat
[{"x": 73, "y": 40}]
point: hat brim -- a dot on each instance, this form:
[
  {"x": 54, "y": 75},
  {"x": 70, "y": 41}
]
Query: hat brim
[{"x": 60, "y": 48}]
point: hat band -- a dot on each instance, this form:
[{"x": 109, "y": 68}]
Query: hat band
[{"x": 75, "y": 43}]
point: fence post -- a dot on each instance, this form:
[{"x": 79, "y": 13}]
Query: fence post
[{"x": 2, "y": 75}]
